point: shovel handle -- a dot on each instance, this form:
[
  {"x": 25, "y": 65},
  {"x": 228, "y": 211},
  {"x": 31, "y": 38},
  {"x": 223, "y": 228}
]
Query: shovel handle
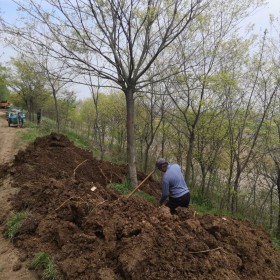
[{"x": 138, "y": 187}]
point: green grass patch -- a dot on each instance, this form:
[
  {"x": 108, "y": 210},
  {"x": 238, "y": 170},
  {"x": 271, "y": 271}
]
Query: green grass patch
[
  {"x": 205, "y": 204},
  {"x": 276, "y": 243},
  {"x": 32, "y": 130},
  {"x": 14, "y": 223},
  {"x": 146, "y": 196},
  {"x": 43, "y": 261},
  {"x": 126, "y": 188},
  {"x": 79, "y": 140},
  {"x": 205, "y": 209}
]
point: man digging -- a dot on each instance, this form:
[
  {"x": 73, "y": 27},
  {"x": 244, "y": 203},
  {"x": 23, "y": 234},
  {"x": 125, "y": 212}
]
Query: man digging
[{"x": 174, "y": 186}]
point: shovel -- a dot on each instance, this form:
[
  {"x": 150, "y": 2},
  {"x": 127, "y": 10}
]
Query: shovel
[{"x": 138, "y": 187}]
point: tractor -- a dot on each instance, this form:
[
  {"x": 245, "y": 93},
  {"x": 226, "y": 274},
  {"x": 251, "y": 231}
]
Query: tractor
[{"x": 15, "y": 117}]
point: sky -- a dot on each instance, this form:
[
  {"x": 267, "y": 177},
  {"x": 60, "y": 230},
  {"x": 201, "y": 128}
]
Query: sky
[{"x": 8, "y": 11}]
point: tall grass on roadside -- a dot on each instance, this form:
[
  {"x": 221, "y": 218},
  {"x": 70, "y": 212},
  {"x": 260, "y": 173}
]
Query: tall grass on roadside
[
  {"x": 32, "y": 130},
  {"x": 14, "y": 223},
  {"x": 43, "y": 261}
]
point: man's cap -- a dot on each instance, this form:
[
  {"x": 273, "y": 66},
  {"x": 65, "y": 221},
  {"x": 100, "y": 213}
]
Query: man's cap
[{"x": 160, "y": 162}]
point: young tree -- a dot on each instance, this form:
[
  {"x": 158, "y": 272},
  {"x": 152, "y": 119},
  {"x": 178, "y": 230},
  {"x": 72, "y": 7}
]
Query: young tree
[
  {"x": 57, "y": 78},
  {"x": 149, "y": 119}
]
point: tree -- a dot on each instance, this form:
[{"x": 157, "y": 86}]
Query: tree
[
  {"x": 66, "y": 108},
  {"x": 29, "y": 82},
  {"x": 247, "y": 113},
  {"x": 87, "y": 116},
  {"x": 127, "y": 36},
  {"x": 57, "y": 74},
  {"x": 149, "y": 118},
  {"x": 270, "y": 163},
  {"x": 199, "y": 54},
  {"x": 4, "y": 91},
  {"x": 107, "y": 128}
]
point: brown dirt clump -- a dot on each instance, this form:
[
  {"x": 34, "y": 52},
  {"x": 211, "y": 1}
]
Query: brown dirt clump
[{"x": 101, "y": 234}]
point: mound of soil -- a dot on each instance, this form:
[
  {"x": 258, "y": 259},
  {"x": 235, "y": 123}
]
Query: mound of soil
[{"x": 93, "y": 232}]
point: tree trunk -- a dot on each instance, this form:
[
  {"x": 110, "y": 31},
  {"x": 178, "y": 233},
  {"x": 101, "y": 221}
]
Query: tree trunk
[
  {"x": 163, "y": 139},
  {"x": 146, "y": 156},
  {"x": 278, "y": 189},
  {"x": 203, "y": 180},
  {"x": 189, "y": 157},
  {"x": 56, "y": 110},
  {"x": 271, "y": 209},
  {"x": 234, "y": 200},
  {"x": 131, "y": 147}
]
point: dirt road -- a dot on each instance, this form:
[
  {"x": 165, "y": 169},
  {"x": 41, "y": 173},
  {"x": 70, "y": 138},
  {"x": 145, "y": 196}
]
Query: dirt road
[
  {"x": 11, "y": 268},
  {"x": 7, "y": 139}
]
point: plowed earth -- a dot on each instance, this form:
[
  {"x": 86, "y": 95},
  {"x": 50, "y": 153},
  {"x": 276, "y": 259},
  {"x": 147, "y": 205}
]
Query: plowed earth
[{"x": 102, "y": 234}]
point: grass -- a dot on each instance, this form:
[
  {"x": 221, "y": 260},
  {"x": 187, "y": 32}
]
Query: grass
[
  {"x": 14, "y": 223},
  {"x": 33, "y": 130},
  {"x": 43, "y": 261},
  {"x": 79, "y": 140},
  {"x": 146, "y": 196},
  {"x": 126, "y": 188},
  {"x": 207, "y": 209},
  {"x": 276, "y": 243},
  {"x": 204, "y": 204}
]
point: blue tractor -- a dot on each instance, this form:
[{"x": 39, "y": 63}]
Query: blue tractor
[{"x": 15, "y": 117}]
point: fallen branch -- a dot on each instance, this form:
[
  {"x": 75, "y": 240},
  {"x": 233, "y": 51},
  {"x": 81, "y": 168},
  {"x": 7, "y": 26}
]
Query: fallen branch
[
  {"x": 104, "y": 175},
  {"x": 100, "y": 203},
  {"x": 74, "y": 173},
  {"x": 205, "y": 251}
]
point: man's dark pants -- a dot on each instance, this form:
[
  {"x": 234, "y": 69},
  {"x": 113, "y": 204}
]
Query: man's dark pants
[{"x": 182, "y": 201}]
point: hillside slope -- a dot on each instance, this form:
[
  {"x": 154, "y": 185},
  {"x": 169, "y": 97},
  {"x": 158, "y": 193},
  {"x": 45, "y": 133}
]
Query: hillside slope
[{"x": 101, "y": 234}]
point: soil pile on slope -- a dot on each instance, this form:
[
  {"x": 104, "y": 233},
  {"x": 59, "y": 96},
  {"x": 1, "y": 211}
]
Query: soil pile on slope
[{"x": 101, "y": 234}]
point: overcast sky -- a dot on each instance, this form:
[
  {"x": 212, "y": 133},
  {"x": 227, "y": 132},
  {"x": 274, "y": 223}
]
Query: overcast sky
[{"x": 260, "y": 18}]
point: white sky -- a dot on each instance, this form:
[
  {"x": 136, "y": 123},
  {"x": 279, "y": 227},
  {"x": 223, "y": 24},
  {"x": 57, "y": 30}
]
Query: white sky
[
  {"x": 261, "y": 16},
  {"x": 8, "y": 11}
]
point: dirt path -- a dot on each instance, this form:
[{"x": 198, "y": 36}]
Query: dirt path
[{"x": 11, "y": 268}]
